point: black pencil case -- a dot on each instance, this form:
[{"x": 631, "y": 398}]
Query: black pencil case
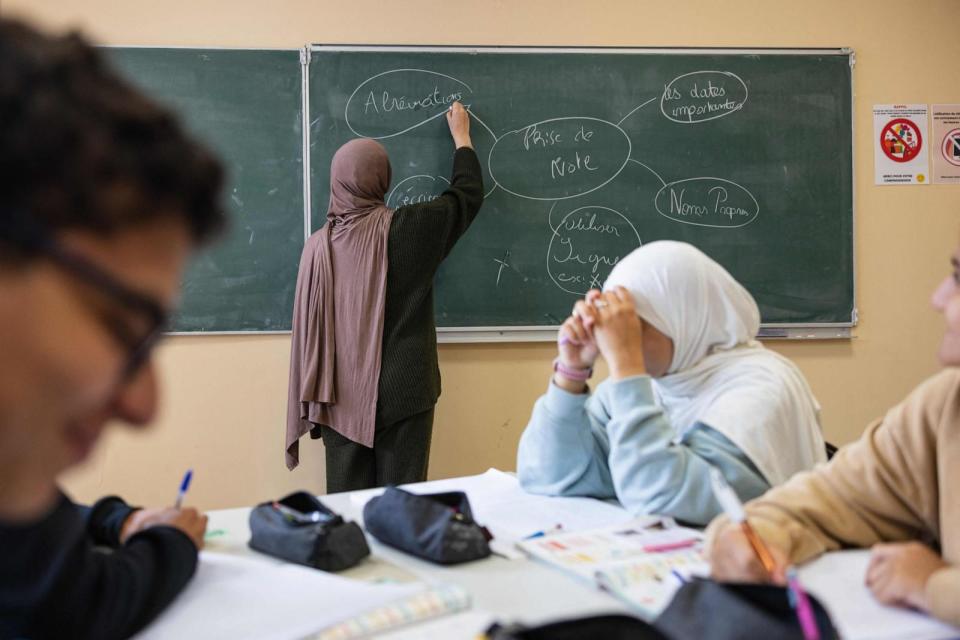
[
  {"x": 438, "y": 527},
  {"x": 607, "y": 627},
  {"x": 299, "y": 528},
  {"x": 703, "y": 608}
]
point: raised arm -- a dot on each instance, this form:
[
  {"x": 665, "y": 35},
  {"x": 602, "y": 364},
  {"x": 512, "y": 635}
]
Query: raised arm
[
  {"x": 429, "y": 230},
  {"x": 459, "y": 122}
]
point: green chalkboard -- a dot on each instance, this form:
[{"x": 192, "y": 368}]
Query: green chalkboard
[
  {"x": 247, "y": 105},
  {"x": 588, "y": 153}
]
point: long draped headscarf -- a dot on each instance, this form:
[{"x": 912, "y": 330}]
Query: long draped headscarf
[
  {"x": 720, "y": 375},
  {"x": 339, "y": 306}
]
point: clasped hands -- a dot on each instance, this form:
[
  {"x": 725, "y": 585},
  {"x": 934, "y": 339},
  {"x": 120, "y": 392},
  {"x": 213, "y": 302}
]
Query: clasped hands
[{"x": 603, "y": 323}]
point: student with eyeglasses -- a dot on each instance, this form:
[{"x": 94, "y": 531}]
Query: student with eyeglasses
[{"x": 102, "y": 199}]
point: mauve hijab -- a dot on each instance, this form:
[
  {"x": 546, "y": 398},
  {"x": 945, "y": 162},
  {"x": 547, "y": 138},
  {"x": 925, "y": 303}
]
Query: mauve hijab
[{"x": 338, "y": 310}]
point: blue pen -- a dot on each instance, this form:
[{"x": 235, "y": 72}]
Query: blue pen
[
  {"x": 540, "y": 534},
  {"x": 183, "y": 488}
]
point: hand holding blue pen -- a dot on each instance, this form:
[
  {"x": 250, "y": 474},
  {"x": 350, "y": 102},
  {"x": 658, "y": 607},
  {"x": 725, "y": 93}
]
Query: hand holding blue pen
[{"x": 187, "y": 519}]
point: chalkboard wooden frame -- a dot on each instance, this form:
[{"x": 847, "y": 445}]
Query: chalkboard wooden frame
[{"x": 821, "y": 330}]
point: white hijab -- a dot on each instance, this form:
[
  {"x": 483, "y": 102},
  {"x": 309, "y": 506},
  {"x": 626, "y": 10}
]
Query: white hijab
[{"x": 720, "y": 375}]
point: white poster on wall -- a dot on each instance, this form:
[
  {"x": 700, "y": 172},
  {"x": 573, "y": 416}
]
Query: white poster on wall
[
  {"x": 946, "y": 143},
  {"x": 900, "y": 144}
]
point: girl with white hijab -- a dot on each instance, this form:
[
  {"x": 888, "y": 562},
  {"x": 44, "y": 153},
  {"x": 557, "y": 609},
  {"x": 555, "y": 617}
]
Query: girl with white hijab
[{"x": 690, "y": 388}]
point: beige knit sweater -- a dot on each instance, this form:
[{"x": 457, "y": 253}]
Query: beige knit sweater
[{"x": 899, "y": 482}]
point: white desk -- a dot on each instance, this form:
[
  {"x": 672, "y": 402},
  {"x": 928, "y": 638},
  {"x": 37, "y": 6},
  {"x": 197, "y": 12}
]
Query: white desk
[
  {"x": 527, "y": 591},
  {"x": 510, "y": 590}
]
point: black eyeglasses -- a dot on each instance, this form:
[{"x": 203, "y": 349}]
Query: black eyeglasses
[{"x": 137, "y": 344}]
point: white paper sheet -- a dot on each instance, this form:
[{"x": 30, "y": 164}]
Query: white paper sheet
[
  {"x": 233, "y": 597},
  {"x": 837, "y": 579}
]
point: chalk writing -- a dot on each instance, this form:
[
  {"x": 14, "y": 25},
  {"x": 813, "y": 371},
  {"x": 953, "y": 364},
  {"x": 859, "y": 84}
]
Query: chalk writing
[
  {"x": 416, "y": 189},
  {"x": 703, "y": 95},
  {"x": 394, "y": 102},
  {"x": 707, "y": 202},
  {"x": 559, "y": 158},
  {"x": 387, "y": 102},
  {"x": 586, "y": 244}
]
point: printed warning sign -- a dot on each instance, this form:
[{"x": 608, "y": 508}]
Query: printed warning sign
[
  {"x": 900, "y": 134},
  {"x": 946, "y": 137},
  {"x": 950, "y": 147},
  {"x": 901, "y": 140}
]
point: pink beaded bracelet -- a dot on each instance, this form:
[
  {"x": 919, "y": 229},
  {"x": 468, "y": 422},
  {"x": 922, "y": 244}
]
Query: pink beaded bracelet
[{"x": 570, "y": 373}]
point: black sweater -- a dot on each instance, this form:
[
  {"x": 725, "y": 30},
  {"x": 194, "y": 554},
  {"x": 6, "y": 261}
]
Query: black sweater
[
  {"x": 54, "y": 583},
  {"x": 421, "y": 236}
]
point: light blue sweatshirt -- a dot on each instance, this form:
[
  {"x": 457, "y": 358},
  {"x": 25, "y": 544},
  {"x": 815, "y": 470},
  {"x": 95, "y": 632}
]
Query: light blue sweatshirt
[{"x": 618, "y": 443}]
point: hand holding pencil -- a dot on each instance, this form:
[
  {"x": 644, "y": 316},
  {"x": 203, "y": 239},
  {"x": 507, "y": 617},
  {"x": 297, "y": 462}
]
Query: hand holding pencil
[{"x": 738, "y": 553}]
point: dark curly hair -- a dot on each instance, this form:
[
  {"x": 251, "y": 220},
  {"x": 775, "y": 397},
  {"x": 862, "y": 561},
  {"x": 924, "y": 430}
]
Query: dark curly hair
[{"x": 81, "y": 148}]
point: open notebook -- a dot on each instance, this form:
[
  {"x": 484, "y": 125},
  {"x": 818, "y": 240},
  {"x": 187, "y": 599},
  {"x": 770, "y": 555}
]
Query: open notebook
[
  {"x": 235, "y": 597},
  {"x": 642, "y": 563}
]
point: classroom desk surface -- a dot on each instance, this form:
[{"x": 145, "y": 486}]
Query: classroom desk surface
[
  {"x": 523, "y": 590},
  {"x": 501, "y": 589}
]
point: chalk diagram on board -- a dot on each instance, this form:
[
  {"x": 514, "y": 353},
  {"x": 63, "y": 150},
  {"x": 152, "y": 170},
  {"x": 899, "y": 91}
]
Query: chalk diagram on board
[{"x": 572, "y": 159}]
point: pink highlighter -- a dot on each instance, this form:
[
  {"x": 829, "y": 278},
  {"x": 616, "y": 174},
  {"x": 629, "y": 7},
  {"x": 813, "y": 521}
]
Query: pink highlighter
[
  {"x": 670, "y": 546},
  {"x": 801, "y": 604}
]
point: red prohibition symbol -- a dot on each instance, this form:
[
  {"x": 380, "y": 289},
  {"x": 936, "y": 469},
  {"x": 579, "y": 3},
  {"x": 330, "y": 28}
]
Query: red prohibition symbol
[{"x": 900, "y": 140}]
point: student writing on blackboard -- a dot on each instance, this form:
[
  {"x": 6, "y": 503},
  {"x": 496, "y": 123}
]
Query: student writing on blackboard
[
  {"x": 102, "y": 200},
  {"x": 689, "y": 389},
  {"x": 363, "y": 369},
  {"x": 893, "y": 490}
]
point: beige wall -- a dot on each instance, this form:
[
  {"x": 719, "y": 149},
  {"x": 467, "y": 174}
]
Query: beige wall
[{"x": 225, "y": 395}]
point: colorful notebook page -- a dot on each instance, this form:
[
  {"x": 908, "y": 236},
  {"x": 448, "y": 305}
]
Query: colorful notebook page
[
  {"x": 640, "y": 564},
  {"x": 585, "y": 553},
  {"x": 648, "y": 583}
]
